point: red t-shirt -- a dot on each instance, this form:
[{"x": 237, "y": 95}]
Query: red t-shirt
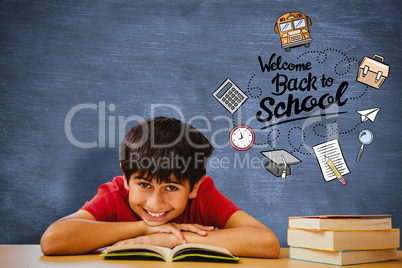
[{"x": 209, "y": 208}]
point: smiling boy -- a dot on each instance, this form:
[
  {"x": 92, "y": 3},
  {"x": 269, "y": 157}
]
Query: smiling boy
[{"x": 164, "y": 198}]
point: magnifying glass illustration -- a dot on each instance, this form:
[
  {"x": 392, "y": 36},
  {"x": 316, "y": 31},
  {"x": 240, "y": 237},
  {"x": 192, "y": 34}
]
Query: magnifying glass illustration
[{"x": 365, "y": 137}]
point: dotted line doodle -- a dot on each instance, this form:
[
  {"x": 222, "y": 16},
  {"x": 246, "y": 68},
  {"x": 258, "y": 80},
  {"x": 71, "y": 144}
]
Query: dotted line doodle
[
  {"x": 361, "y": 95},
  {"x": 270, "y": 139},
  {"x": 350, "y": 130},
  {"x": 323, "y": 56},
  {"x": 251, "y": 91},
  {"x": 294, "y": 148},
  {"x": 331, "y": 129},
  {"x": 338, "y": 64},
  {"x": 233, "y": 120}
]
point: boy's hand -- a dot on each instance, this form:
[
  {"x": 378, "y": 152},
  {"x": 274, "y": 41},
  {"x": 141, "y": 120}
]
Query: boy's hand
[
  {"x": 176, "y": 228},
  {"x": 160, "y": 240}
]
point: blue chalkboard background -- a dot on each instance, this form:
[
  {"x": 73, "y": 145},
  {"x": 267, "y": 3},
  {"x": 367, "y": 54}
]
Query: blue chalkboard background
[{"x": 76, "y": 75}]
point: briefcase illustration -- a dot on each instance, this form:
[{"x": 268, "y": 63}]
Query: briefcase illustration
[{"x": 372, "y": 72}]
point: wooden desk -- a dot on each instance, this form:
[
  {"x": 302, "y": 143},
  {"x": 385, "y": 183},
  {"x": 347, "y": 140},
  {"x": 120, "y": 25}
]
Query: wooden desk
[{"x": 23, "y": 256}]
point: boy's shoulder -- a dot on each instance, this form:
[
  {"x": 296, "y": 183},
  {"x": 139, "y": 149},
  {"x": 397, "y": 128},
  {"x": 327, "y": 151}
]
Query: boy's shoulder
[
  {"x": 110, "y": 203},
  {"x": 114, "y": 186},
  {"x": 206, "y": 183},
  {"x": 207, "y": 189}
]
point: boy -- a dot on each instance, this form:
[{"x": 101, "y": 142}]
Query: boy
[{"x": 164, "y": 198}]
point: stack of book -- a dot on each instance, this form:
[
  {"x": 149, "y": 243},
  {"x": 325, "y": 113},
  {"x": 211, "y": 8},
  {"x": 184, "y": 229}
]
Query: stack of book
[{"x": 343, "y": 240}]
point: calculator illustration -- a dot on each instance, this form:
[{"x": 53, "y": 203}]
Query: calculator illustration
[{"x": 230, "y": 96}]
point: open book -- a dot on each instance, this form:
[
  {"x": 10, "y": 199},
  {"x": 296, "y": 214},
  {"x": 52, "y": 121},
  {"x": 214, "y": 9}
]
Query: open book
[{"x": 167, "y": 254}]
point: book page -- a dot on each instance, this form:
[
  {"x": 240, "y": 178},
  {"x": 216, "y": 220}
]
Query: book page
[
  {"x": 162, "y": 251},
  {"x": 332, "y": 150},
  {"x": 186, "y": 248}
]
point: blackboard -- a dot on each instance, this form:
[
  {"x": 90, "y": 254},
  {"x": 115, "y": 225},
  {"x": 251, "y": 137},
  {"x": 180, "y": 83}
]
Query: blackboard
[{"x": 75, "y": 76}]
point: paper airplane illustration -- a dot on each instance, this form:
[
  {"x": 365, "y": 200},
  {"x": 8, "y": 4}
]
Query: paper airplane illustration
[{"x": 369, "y": 114}]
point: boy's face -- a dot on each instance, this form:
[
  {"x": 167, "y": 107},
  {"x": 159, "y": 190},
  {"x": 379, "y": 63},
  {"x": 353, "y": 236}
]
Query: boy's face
[{"x": 158, "y": 203}]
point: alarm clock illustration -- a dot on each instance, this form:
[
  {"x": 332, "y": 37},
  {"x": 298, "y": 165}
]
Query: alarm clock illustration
[{"x": 242, "y": 137}]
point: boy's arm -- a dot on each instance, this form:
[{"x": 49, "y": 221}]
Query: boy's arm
[
  {"x": 80, "y": 233},
  {"x": 243, "y": 236}
]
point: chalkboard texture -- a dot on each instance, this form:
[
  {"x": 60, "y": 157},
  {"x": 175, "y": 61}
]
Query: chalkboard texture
[{"x": 76, "y": 75}]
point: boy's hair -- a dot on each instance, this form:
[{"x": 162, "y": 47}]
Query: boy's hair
[{"x": 161, "y": 147}]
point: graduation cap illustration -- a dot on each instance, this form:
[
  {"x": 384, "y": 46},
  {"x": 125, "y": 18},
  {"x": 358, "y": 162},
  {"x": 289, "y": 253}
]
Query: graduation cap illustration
[{"x": 280, "y": 161}]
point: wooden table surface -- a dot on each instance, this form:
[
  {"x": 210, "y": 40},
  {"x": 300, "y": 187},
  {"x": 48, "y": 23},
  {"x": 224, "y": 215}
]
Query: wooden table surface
[{"x": 24, "y": 256}]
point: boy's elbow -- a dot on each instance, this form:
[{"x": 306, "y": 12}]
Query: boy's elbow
[
  {"x": 46, "y": 244},
  {"x": 50, "y": 243},
  {"x": 273, "y": 248},
  {"x": 276, "y": 249}
]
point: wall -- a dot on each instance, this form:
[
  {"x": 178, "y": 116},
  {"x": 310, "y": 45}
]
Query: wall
[{"x": 75, "y": 76}]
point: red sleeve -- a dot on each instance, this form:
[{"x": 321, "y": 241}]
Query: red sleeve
[{"x": 216, "y": 209}]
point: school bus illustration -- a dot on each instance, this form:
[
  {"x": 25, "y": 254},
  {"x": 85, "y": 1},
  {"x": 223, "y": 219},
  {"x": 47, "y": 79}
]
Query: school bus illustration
[{"x": 293, "y": 30}]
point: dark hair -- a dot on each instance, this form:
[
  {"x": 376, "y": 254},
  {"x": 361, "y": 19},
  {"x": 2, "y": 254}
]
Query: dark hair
[{"x": 161, "y": 147}]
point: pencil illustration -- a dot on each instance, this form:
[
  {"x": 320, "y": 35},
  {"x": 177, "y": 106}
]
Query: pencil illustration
[{"x": 335, "y": 171}]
